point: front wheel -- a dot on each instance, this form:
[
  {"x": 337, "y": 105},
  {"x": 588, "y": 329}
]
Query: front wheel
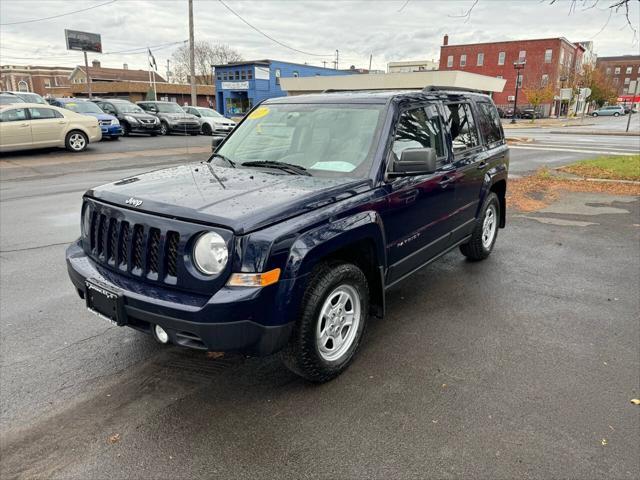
[
  {"x": 206, "y": 129},
  {"x": 126, "y": 129},
  {"x": 594, "y": 114},
  {"x": 76, "y": 141},
  {"x": 616, "y": 114},
  {"x": 164, "y": 128},
  {"x": 485, "y": 231},
  {"x": 333, "y": 316}
]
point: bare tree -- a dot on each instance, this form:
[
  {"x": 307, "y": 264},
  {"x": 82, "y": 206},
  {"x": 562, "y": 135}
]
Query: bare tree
[{"x": 206, "y": 55}]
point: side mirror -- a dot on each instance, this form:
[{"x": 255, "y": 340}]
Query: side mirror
[
  {"x": 215, "y": 141},
  {"x": 415, "y": 161}
]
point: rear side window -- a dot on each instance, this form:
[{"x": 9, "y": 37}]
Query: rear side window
[
  {"x": 416, "y": 130},
  {"x": 464, "y": 134},
  {"x": 489, "y": 122},
  {"x": 13, "y": 115},
  {"x": 43, "y": 113}
]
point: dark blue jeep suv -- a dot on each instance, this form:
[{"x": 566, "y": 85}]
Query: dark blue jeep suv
[{"x": 288, "y": 236}]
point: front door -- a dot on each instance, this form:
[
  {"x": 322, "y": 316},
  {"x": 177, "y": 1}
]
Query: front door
[
  {"x": 416, "y": 217},
  {"x": 15, "y": 129},
  {"x": 47, "y": 126}
]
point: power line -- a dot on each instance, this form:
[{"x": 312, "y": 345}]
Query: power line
[
  {"x": 58, "y": 16},
  {"x": 270, "y": 37}
]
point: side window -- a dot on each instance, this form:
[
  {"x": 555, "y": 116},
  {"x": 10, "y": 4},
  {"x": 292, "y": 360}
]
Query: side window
[
  {"x": 43, "y": 113},
  {"x": 416, "y": 130},
  {"x": 462, "y": 127},
  {"x": 108, "y": 108},
  {"x": 13, "y": 115},
  {"x": 489, "y": 123}
]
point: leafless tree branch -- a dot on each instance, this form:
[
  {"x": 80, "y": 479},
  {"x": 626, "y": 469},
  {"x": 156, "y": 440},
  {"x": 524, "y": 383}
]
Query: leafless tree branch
[{"x": 467, "y": 14}]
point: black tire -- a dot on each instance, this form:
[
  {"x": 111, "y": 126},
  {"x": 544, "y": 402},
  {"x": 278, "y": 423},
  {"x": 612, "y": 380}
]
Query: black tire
[
  {"x": 594, "y": 114},
  {"x": 76, "y": 141},
  {"x": 154, "y": 134},
  {"x": 164, "y": 128},
  {"x": 126, "y": 129},
  {"x": 302, "y": 354},
  {"x": 115, "y": 137},
  {"x": 616, "y": 114},
  {"x": 206, "y": 129},
  {"x": 193, "y": 134},
  {"x": 476, "y": 249}
]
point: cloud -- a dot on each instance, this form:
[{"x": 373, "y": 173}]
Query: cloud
[{"x": 356, "y": 28}]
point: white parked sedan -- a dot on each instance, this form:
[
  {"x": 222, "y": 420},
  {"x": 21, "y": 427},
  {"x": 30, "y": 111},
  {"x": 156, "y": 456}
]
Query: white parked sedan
[
  {"x": 211, "y": 122},
  {"x": 32, "y": 125}
]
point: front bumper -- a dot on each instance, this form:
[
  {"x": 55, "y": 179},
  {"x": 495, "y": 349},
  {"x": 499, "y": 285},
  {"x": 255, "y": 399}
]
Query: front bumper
[
  {"x": 111, "y": 130},
  {"x": 233, "y": 319},
  {"x": 145, "y": 127}
]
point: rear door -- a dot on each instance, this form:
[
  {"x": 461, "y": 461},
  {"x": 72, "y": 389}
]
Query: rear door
[
  {"x": 469, "y": 164},
  {"x": 48, "y": 126},
  {"x": 15, "y": 129}
]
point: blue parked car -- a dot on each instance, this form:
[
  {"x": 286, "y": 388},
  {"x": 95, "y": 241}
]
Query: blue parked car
[
  {"x": 109, "y": 124},
  {"x": 287, "y": 238}
]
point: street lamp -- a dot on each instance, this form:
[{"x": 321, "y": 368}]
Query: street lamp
[{"x": 517, "y": 66}]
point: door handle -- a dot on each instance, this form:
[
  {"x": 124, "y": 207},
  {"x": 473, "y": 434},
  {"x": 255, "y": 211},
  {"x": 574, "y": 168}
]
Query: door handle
[
  {"x": 409, "y": 196},
  {"x": 61, "y": 122},
  {"x": 22, "y": 125},
  {"x": 446, "y": 180},
  {"x": 482, "y": 165}
]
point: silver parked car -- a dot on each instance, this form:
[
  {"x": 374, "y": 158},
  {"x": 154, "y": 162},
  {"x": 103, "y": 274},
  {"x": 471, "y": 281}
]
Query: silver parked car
[
  {"x": 211, "y": 122},
  {"x": 611, "y": 110}
]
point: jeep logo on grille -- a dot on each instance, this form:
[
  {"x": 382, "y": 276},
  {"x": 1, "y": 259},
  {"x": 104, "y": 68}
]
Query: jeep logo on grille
[{"x": 133, "y": 202}]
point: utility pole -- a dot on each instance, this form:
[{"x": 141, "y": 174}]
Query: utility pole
[
  {"x": 635, "y": 94},
  {"x": 168, "y": 71},
  {"x": 86, "y": 66},
  {"x": 370, "y": 60},
  {"x": 517, "y": 66},
  {"x": 337, "y": 58},
  {"x": 324, "y": 64},
  {"x": 192, "y": 66}
]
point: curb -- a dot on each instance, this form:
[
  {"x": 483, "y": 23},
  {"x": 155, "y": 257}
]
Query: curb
[
  {"x": 599, "y": 132},
  {"x": 558, "y": 173}
]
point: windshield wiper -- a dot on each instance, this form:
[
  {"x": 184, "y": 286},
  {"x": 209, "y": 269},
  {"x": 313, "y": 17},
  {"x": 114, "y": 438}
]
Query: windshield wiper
[
  {"x": 229, "y": 161},
  {"x": 284, "y": 166}
]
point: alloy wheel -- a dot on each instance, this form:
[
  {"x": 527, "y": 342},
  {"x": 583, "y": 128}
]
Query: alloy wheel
[
  {"x": 77, "y": 142},
  {"x": 338, "y": 323},
  {"x": 489, "y": 226}
]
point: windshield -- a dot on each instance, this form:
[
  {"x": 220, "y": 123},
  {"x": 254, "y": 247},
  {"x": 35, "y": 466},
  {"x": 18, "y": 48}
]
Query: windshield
[
  {"x": 209, "y": 113},
  {"x": 327, "y": 140},
  {"x": 32, "y": 98},
  {"x": 169, "y": 108},
  {"x": 126, "y": 107},
  {"x": 83, "y": 107}
]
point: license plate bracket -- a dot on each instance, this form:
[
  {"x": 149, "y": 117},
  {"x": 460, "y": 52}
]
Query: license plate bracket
[{"x": 105, "y": 302}]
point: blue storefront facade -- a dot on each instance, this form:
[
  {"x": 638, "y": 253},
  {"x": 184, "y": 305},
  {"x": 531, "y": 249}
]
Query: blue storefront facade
[{"x": 241, "y": 85}]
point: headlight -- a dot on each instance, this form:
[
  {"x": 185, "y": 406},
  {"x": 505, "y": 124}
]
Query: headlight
[
  {"x": 156, "y": 120},
  {"x": 131, "y": 119},
  {"x": 115, "y": 122},
  {"x": 86, "y": 221},
  {"x": 210, "y": 253}
]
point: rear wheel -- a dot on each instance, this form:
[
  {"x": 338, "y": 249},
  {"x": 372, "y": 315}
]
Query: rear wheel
[
  {"x": 126, "y": 129},
  {"x": 616, "y": 114},
  {"x": 206, "y": 129},
  {"x": 164, "y": 128},
  {"x": 594, "y": 114},
  {"x": 333, "y": 316},
  {"x": 485, "y": 231},
  {"x": 76, "y": 141}
]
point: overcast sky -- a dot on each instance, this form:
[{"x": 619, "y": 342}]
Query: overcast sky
[{"x": 390, "y": 30}]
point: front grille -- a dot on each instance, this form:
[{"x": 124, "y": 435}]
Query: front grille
[
  {"x": 145, "y": 120},
  {"x": 137, "y": 249},
  {"x": 104, "y": 122}
]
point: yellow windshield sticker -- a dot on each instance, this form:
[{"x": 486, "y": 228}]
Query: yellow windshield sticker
[{"x": 259, "y": 113}]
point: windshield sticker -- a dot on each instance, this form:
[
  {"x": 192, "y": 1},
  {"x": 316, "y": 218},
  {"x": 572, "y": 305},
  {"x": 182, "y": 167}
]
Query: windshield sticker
[
  {"x": 259, "y": 113},
  {"x": 334, "y": 166}
]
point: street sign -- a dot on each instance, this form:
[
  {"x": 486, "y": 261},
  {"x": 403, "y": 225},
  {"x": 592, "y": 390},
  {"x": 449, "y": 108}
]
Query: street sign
[
  {"x": 566, "y": 93},
  {"x": 83, "y": 41}
]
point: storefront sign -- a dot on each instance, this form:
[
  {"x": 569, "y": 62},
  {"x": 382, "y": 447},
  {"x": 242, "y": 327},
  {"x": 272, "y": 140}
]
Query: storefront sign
[
  {"x": 262, "y": 73},
  {"x": 235, "y": 85}
]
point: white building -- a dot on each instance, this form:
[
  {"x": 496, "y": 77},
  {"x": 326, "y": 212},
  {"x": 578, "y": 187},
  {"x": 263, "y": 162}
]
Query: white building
[{"x": 412, "y": 66}]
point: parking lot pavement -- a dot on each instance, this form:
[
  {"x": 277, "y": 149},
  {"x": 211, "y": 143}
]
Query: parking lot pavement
[{"x": 519, "y": 366}]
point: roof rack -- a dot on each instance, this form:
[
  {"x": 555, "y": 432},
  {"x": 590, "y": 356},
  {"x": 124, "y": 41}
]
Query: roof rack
[{"x": 442, "y": 88}]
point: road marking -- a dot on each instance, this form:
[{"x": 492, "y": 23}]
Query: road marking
[
  {"x": 573, "y": 150},
  {"x": 96, "y": 157}
]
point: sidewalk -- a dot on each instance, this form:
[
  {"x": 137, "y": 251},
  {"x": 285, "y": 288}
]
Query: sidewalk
[{"x": 546, "y": 123}]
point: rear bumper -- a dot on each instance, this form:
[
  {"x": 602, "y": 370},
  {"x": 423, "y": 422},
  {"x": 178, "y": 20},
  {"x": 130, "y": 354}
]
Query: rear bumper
[{"x": 233, "y": 319}]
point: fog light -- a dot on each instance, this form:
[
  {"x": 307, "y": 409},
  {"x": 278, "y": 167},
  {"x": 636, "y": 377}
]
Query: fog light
[{"x": 161, "y": 335}]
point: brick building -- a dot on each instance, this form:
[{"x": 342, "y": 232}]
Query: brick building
[
  {"x": 621, "y": 72},
  {"x": 549, "y": 61},
  {"x": 98, "y": 73},
  {"x": 34, "y": 78}
]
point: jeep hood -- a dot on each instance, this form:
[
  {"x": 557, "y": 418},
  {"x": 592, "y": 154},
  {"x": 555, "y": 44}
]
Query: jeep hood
[{"x": 241, "y": 199}]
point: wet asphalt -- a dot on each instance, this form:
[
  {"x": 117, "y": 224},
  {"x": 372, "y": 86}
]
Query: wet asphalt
[{"x": 523, "y": 365}]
